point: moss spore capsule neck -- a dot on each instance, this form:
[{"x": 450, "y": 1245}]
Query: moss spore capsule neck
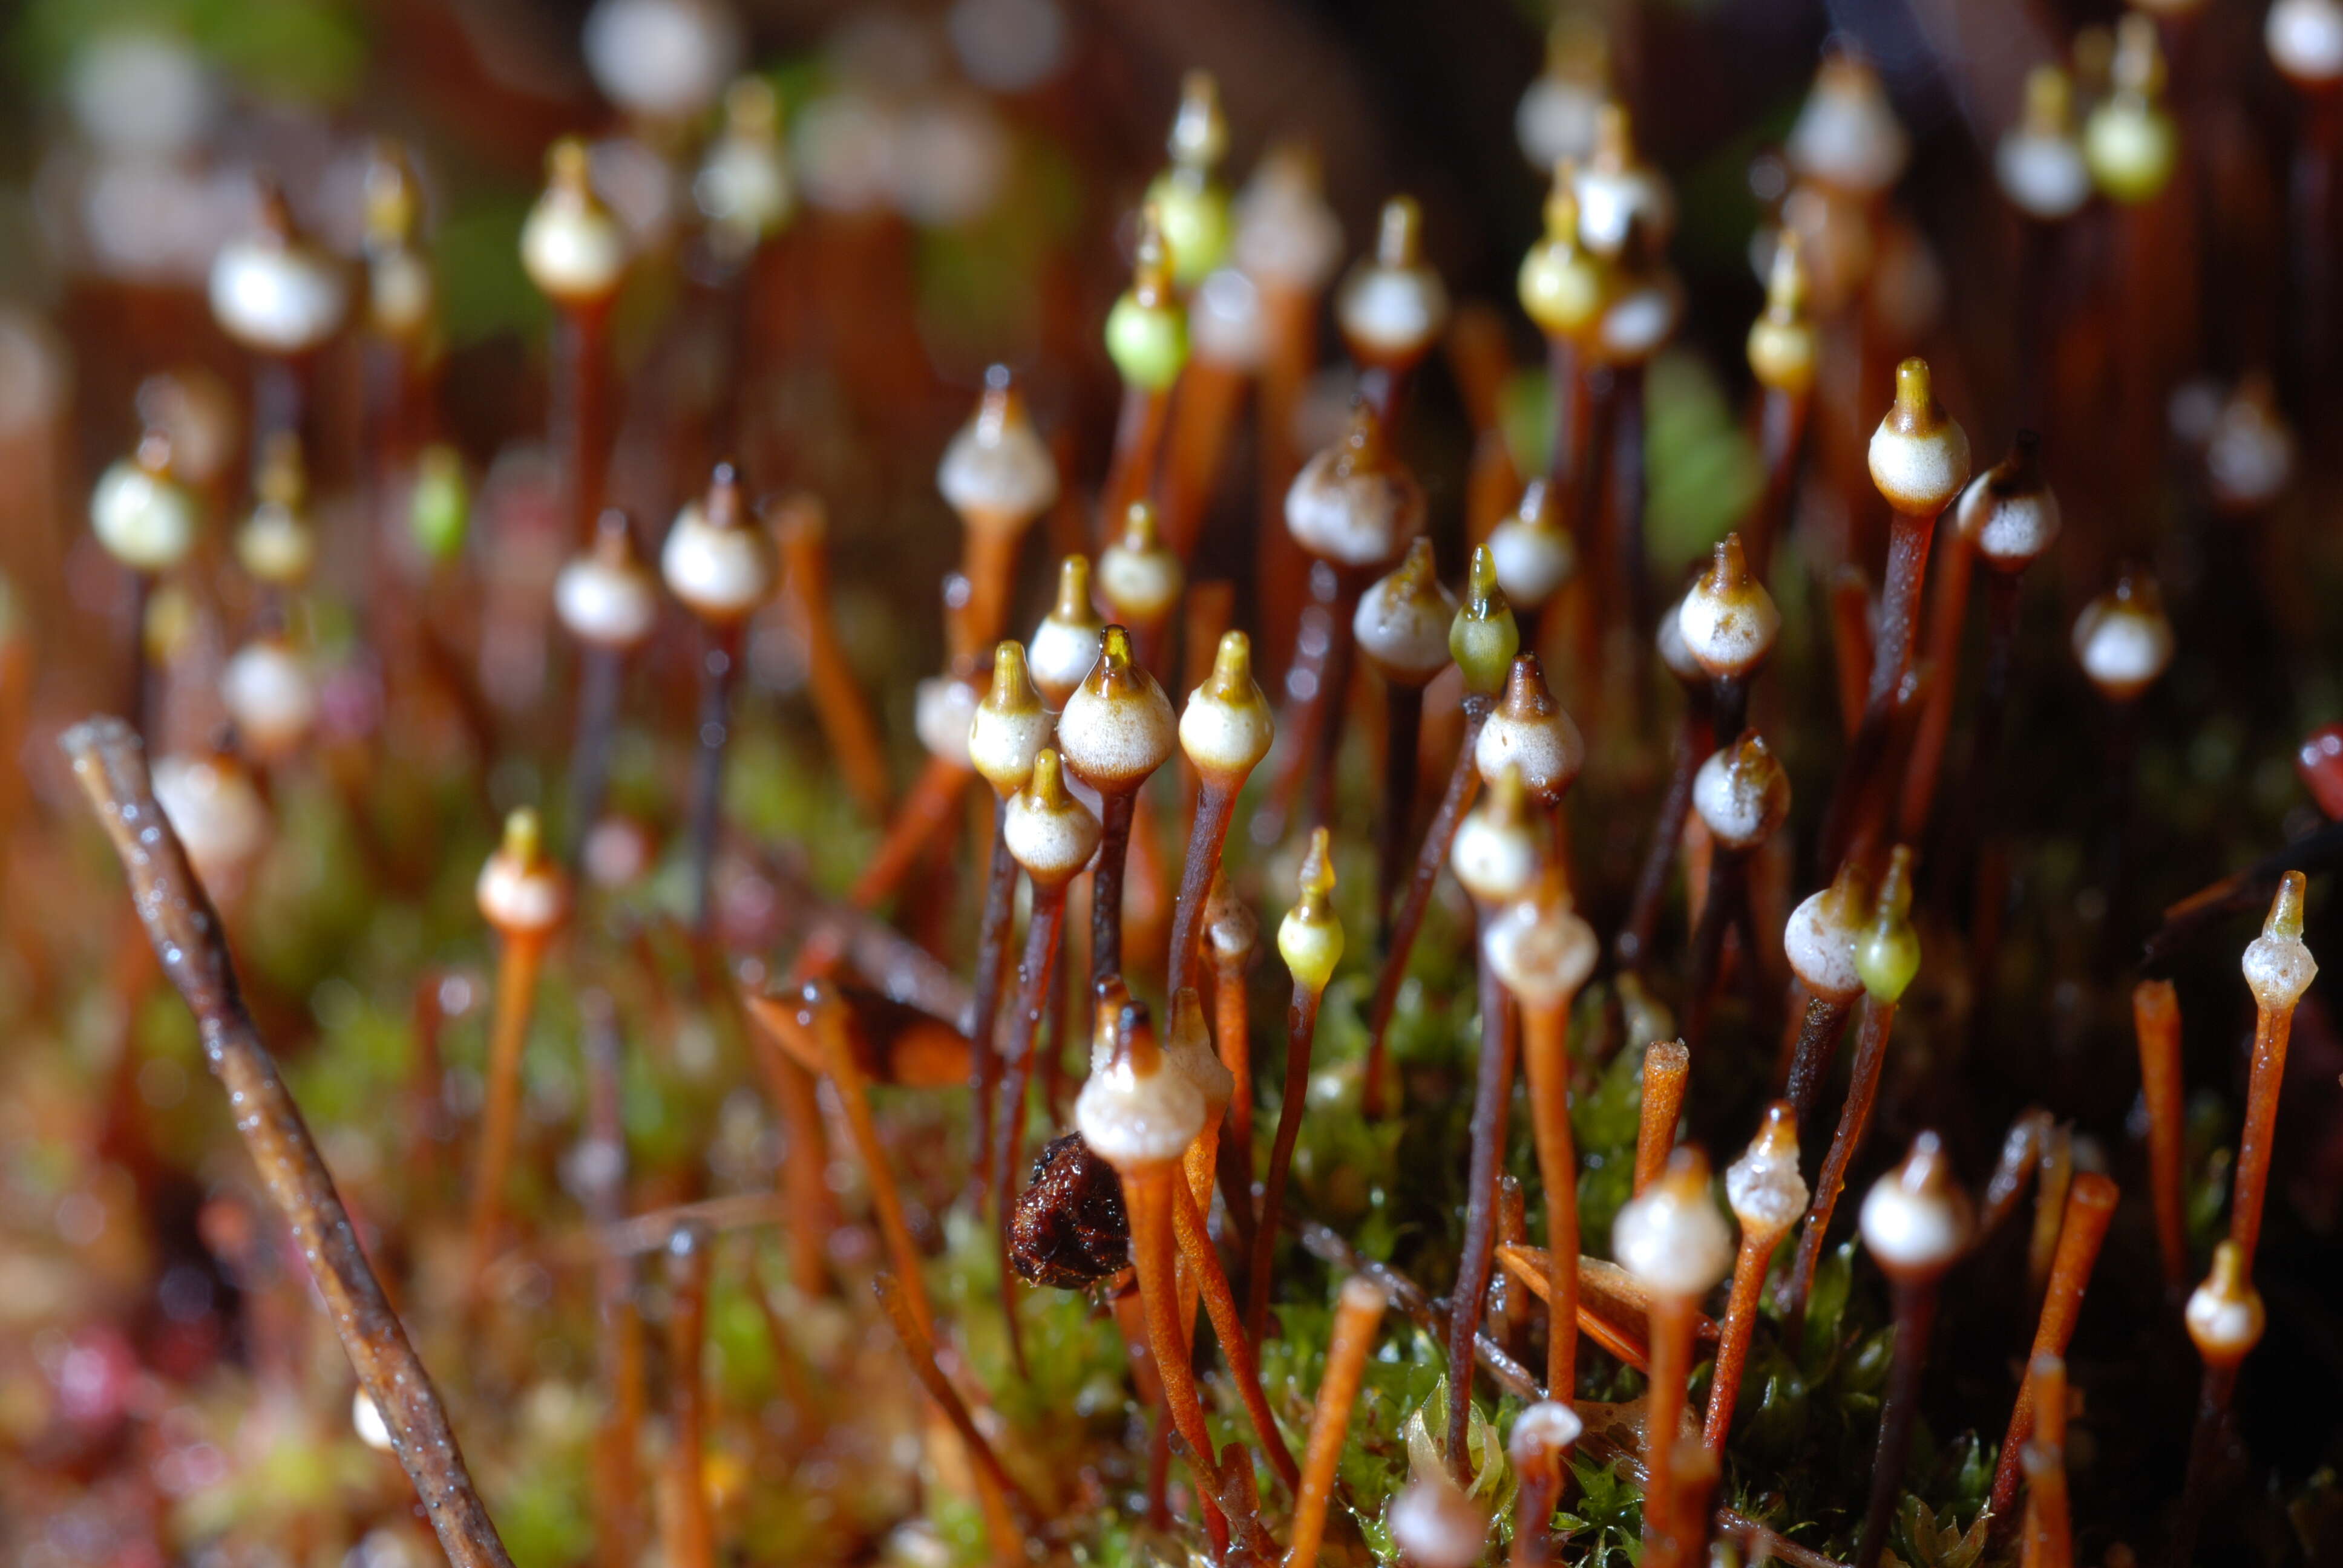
[
  {"x": 1919, "y": 455},
  {"x": 1147, "y": 330},
  {"x": 1227, "y": 727},
  {"x": 1782, "y": 345},
  {"x": 1727, "y": 619},
  {"x": 1047, "y": 832},
  {"x": 2009, "y": 512},
  {"x": 996, "y": 472},
  {"x": 1401, "y": 622},
  {"x": 1887, "y": 953},
  {"x": 1915, "y": 1218},
  {"x": 1742, "y": 793},
  {"x": 2224, "y": 1314},
  {"x": 1672, "y": 1237},
  {"x": 1393, "y": 306},
  {"x": 1483, "y": 637},
  {"x": 1310, "y": 938},
  {"x": 1529, "y": 730},
  {"x": 2278, "y": 964},
  {"x": 1535, "y": 555},
  {"x": 1117, "y": 726},
  {"x": 1820, "y": 938},
  {"x": 1065, "y": 646},
  {"x": 1010, "y": 725},
  {"x": 1192, "y": 206},
  {"x": 2123, "y": 638},
  {"x": 1139, "y": 575}
]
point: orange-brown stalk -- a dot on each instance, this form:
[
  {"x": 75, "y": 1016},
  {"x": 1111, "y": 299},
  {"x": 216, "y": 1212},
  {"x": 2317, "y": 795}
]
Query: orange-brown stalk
[
  {"x": 2090, "y": 1205},
  {"x": 1666, "y": 1064},
  {"x": 1358, "y": 1313},
  {"x": 800, "y": 527},
  {"x": 2156, "y": 1020}
]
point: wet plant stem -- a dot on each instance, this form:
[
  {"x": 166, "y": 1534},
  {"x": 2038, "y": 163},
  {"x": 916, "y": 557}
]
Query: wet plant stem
[
  {"x": 522, "y": 956},
  {"x": 1695, "y": 740},
  {"x": 1899, "y": 613},
  {"x": 581, "y": 381},
  {"x": 1403, "y": 743},
  {"x": 1317, "y": 687},
  {"x": 1545, "y": 1060},
  {"x": 1220, "y": 1305},
  {"x": 691, "y": 1534},
  {"x": 2156, "y": 1020},
  {"x": 719, "y": 656},
  {"x": 2272, "y": 1030},
  {"x": 1464, "y": 782},
  {"x": 1233, "y": 1033},
  {"x": 1115, "y": 809},
  {"x": 1854, "y": 1122},
  {"x": 997, "y": 1491},
  {"x": 111, "y": 766},
  {"x": 1147, "y": 1194},
  {"x": 1740, "y": 1322},
  {"x": 1358, "y": 1314},
  {"x": 600, "y": 672},
  {"x": 2090, "y": 1205},
  {"x": 1131, "y": 472},
  {"x": 1781, "y": 436},
  {"x": 1727, "y": 878},
  {"x": 825, "y": 1015},
  {"x": 1673, "y": 1322},
  {"x": 1915, "y": 1315},
  {"x": 603, "y": 1180},
  {"x": 992, "y": 932},
  {"x": 1666, "y": 1064},
  {"x": 1492, "y": 1098},
  {"x": 929, "y": 810},
  {"x": 1216, "y": 802},
  {"x": 1810, "y": 1060},
  {"x": 1300, "y": 1030},
  {"x": 1043, "y": 928}
]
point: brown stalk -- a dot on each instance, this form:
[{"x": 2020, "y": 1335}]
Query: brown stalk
[
  {"x": 1301, "y": 1029},
  {"x": 1781, "y": 436},
  {"x": 1851, "y": 652},
  {"x": 518, "y": 963},
  {"x": 619, "y": 1334},
  {"x": 1492, "y": 1095},
  {"x": 1147, "y": 1195},
  {"x": 1666, "y": 1064},
  {"x": 997, "y": 1491},
  {"x": 1358, "y": 1313},
  {"x": 2273, "y": 1027},
  {"x": 1221, "y": 1304},
  {"x": 1854, "y": 1122},
  {"x": 1205, "y": 401},
  {"x": 1664, "y": 1411},
  {"x": 1899, "y": 613},
  {"x": 2021, "y": 1153},
  {"x": 110, "y": 765},
  {"x": 719, "y": 660},
  {"x": 1632, "y": 948},
  {"x": 1317, "y": 695},
  {"x": 1818, "y": 1037},
  {"x": 1216, "y": 802},
  {"x": 1130, "y": 471},
  {"x": 690, "y": 1536},
  {"x": 805, "y": 1184},
  {"x": 2156, "y": 1021},
  {"x": 1464, "y": 782},
  {"x": 2056, "y": 1171},
  {"x": 1043, "y": 928},
  {"x": 1233, "y": 1033},
  {"x": 925, "y": 814},
  {"x": 1545, "y": 1060},
  {"x": 992, "y": 934},
  {"x": 1947, "y": 610},
  {"x": 2090, "y": 1205},
  {"x": 800, "y": 527}
]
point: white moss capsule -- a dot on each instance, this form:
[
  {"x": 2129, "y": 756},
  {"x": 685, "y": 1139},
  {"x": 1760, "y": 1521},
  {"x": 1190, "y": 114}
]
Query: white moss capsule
[
  {"x": 1764, "y": 1187},
  {"x": 218, "y": 812},
  {"x": 1136, "y": 1110},
  {"x": 1819, "y": 941},
  {"x": 1117, "y": 728},
  {"x": 1140, "y": 576},
  {"x": 1915, "y": 1218},
  {"x": 1227, "y": 727},
  {"x": 664, "y": 59},
  {"x": 2225, "y": 1314},
  {"x": 1727, "y": 619},
  {"x": 1644, "y": 313},
  {"x": 1498, "y": 852},
  {"x": 743, "y": 187},
  {"x": 1310, "y": 938},
  {"x": 1051, "y": 834},
  {"x": 2304, "y": 39},
  {"x": 998, "y": 473},
  {"x": 1535, "y": 555},
  {"x": 273, "y": 291},
  {"x": 2278, "y": 965},
  {"x": 1742, "y": 793},
  {"x": 1668, "y": 639},
  {"x": 2039, "y": 163},
  {"x": 1287, "y": 237},
  {"x": 2123, "y": 639},
  {"x": 1233, "y": 928},
  {"x": 1393, "y": 306},
  {"x": 1781, "y": 345},
  {"x": 2009, "y": 512},
  {"x": 2249, "y": 452},
  {"x": 1542, "y": 1433},
  {"x": 1353, "y": 504},
  {"x": 1435, "y": 1523},
  {"x": 1010, "y": 727},
  {"x": 271, "y": 692},
  {"x": 1403, "y": 620},
  {"x": 943, "y": 713},
  {"x": 1538, "y": 947},
  {"x": 522, "y": 892},
  {"x": 1619, "y": 195},
  {"x": 1065, "y": 645},
  {"x": 1847, "y": 135},
  {"x": 718, "y": 566},
  {"x": 141, "y": 513},
  {"x": 2130, "y": 141},
  {"x": 276, "y": 545},
  {"x": 1529, "y": 730},
  {"x": 1671, "y": 1236},
  {"x": 1226, "y": 326},
  {"x": 570, "y": 245},
  {"x": 1555, "y": 118},
  {"x": 1919, "y": 455},
  {"x": 1187, "y": 1051},
  {"x": 605, "y": 595}
]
